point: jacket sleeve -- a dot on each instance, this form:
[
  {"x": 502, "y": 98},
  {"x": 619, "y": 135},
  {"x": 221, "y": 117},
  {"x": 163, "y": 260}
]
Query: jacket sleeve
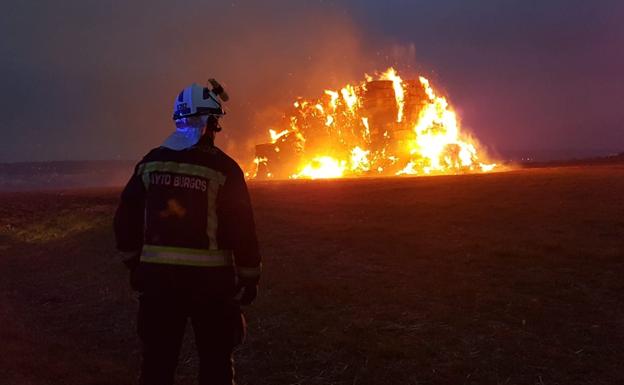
[
  {"x": 239, "y": 217},
  {"x": 129, "y": 220}
]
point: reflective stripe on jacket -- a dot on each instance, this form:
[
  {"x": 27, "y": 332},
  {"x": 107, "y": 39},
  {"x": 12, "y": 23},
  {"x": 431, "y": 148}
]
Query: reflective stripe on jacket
[
  {"x": 189, "y": 208},
  {"x": 186, "y": 256}
]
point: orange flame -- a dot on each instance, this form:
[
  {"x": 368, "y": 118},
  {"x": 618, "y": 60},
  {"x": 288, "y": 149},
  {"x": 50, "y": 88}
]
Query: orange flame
[
  {"x": 276, "y": 135},
  {"x": 322, "y": 167},
  {"x": 399, "y": 93},
  {"x": 387, "y": 126}
]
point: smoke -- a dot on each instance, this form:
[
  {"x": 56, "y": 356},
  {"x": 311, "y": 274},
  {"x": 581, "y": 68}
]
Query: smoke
[
  {"x": 105, "y": 74},
  {"x": 91, "y": 79},
  {"x": 268, "y": 66}
]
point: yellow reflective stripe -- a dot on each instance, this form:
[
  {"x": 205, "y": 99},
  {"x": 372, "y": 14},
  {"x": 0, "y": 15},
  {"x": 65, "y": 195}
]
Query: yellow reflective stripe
[
  {"x": 186, "y": 256},
  {"x": 212, "y": 220},
  {"x": 249, "y": 272},
  {"x": 181, "y": 168},
  {"x": 182, "y": 262},
  {"x": 146, "y": 179},
  {"x": 185, "y": 250},
  {"x": 214, "y": 178}
]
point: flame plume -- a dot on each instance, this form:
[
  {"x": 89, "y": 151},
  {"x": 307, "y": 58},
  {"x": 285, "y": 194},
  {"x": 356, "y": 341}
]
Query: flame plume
[{"x": 386, "y": 126}]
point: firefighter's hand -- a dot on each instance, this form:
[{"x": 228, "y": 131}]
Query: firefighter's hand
[{"x": 247, "y": 294}]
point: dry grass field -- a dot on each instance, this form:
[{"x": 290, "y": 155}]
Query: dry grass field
[{"x": 510, "y": 278}]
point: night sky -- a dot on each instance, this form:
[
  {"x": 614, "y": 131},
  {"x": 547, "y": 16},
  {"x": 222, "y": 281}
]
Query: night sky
[{"x": 95, "y": 79}]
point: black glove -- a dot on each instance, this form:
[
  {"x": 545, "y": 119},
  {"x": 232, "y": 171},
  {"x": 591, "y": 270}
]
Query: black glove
[{"x": 247, "y": 294}]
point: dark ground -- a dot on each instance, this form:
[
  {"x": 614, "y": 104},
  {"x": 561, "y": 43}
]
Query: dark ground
[{"x": 510, "y": 278}]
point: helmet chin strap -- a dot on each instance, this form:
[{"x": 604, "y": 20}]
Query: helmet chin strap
[{"x": 209, "y": 131}]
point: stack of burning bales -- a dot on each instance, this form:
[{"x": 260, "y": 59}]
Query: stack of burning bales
[{"x": 379, "y": 127}]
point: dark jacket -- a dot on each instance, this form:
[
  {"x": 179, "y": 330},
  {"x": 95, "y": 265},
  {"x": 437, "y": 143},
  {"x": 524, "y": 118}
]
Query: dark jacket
[{"x": 186, "y": 218}]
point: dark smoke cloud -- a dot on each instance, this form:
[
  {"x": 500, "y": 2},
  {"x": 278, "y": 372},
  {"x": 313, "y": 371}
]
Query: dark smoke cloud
[{"x": 86, "y": 79}]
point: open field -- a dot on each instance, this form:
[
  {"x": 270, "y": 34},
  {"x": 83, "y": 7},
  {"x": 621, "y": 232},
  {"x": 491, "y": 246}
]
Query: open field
[{"x": 510, "y": 278}]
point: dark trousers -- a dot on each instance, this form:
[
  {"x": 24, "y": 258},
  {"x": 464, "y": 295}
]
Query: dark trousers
[{"x": 218, "y": 326}]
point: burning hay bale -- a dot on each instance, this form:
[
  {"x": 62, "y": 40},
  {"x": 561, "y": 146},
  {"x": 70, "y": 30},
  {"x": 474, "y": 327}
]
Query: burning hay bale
[{"x": 385, "y": 126}]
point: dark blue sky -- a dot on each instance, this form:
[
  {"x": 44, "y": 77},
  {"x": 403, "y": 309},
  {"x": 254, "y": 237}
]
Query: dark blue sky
[{"x": 94, "y": 79}]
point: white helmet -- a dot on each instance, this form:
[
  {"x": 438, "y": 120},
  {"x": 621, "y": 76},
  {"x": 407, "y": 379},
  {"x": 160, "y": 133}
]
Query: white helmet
[
  {"x": 196, "y": 100},
  {"x": 191, "y": 110}
]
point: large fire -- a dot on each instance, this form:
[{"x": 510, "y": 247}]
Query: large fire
[{"x": 387, "y": 126}]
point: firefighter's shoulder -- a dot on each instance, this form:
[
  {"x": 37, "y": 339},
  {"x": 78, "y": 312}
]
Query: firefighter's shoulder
[
  {"x": 164, "y": 154},
  {"x": 228, "y": 162},
  {"x": 157, "y": 159},
  {"x": 153, "y": 154}
]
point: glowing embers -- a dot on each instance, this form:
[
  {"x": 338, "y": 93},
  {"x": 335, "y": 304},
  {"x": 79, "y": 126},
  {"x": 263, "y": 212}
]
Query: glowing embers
[
  {"x": 387, "y": 126},
  {"x": 322, "y": 167}
]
